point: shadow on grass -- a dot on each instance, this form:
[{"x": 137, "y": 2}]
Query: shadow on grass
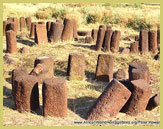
[
  {"x": 61, "y": 73},
  {"x": 81, "y": 106},
  {"x": 92, "y": 47},
  {"x": 25, "y": 42}
]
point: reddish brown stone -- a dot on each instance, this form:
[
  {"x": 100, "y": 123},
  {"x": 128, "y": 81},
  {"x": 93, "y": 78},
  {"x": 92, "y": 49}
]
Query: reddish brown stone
[
  {"x": 54, "y": 94},
  {"x": 88, "y": 39},
  {"x": 67, "y": 33},
  {"x": 48, "y": 26},
  {"x": 154, "y": 101},
  {"x": 143, "y": 43},
  {"x": 22, "y": 23},
  {"x": 103, "y": 27},
  {"x": 100, "y": 39},
  {"x": 76, "y": 66},
  {"x": 15, "y": 20},
  {"x": 110, "y": 101},
  {"x": 108, "y": 27},
  {"x": 12, "y": 26},
  {"x": 5, "y": 23},
  {"x": 10, "y": 19},
  {"x": 40, "y": 34},
  {"x": 28, "y": 22},
  {"x": 158, "y": 36},
  {"x": 75, "y": 27},
  {"x": 21, "y": 71},
  {"x": 32, "y": 32},
  {"x": 152, "y": 37},
  {"x": 104, "y": 68},
  {"x": 56, "y": 31},
  {"x": 84, "y": 33},
  {"x": 94, "y": 34},
  {"x": 107, "y": 40},
  {"x": 139, "y": 98},
  {"x": 115, "y": 41},
  {"x": 26, "y": 93},
  {"x": 139, "y": 70},
  {"x": 9, "y": 60},
  {"x": 134, "y": 47},
  {"x": 48, "y": 62},
  {"x": 39, "y": 69},
  {"x": 121, "y": 74},
  {"x": 11, "y": 44}
]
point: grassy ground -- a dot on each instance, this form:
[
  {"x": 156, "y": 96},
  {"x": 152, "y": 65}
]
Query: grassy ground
[{"x": 81, "y": 94}]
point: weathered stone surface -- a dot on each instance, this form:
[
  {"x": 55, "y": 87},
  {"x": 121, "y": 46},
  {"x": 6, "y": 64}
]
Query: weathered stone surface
[
  {"x": 84, "y": 33},
  {"x": 152, "y": 37},
  {"x": 143, "y": 41},
  {"x": 24, "y": 50},
  {"x": 110, "y": 101},
  {"x": 28, "y": 22},
  {"x": 121, "y": 74},
  {"x": 125, "y": 50},
  {"x": 9, "y": 60},
  {"x": 10, "y": 19},
  {"x": 158, "y": 36},
  {"x": 12, "y": 26},
  {"x": 15, "y": 20},
  {"x": 22, "y": 23},
  {"x": 48, "y": 26},
  {"x": 94, "y": 34},
  {"x": 104, "y": 68},
  {"x": 5, "y": 23},
  {"x": 26, "y": 93},
  {"x": 134, "y": 47},
  {"x": 40, "y": 34},
  {"x": 76, "y": 66},
  {"x": 153, "y": 102},
  {"x": 88, "y": 39},
  {"x": 54, "y": 94},
  {"x": 103, "y": 27},
  {"x": 100, "y": 39},
  {"x": 107, "y": 39},
  {"x": 32, "y": 32},
  {"x": 139, "y": 70},
  {"x": 11, "y": 44},
  {"x": 39, "y": 69},
  {"x": 56, "y": 31},
  {"x": 21, "y": 71},
  {"x": 67, "y": 33},
  {"x": 115, "y": 41},
  {"x": 75, "y": 27},
  {"x": 139, "y": 98},
  {"x": 49, "y": 63}
]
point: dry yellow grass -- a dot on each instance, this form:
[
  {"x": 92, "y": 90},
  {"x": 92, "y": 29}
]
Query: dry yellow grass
[{"x": 81, "y": 94}]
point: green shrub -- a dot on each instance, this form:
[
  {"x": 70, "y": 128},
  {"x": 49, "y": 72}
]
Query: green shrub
[
  {"x": 138, "y": 24},
  {"x": 59, "y": 13},
  {"x": 92, "y": 18},
  {"x": 110, "y": 19}
]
